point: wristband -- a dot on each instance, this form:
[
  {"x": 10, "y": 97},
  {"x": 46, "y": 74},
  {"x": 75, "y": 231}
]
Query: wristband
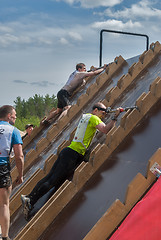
[{"x": 113, "y": 118}]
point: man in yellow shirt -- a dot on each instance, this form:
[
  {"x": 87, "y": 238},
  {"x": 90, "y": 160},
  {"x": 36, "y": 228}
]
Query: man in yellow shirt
[{"x": 70, "y": 157}]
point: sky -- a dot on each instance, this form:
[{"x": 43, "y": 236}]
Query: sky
[{"x": 41, "y": 41}]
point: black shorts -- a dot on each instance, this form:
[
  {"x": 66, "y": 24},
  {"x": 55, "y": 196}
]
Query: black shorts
[
  {"x": 63, "y": 98},
  {"x": 5, "y": 176}
]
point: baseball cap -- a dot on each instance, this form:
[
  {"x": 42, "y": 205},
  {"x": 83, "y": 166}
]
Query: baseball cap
[{"x": 28, "y": 125}]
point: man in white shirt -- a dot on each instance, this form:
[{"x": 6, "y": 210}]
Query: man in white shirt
[{"x": 75, "y": 80}]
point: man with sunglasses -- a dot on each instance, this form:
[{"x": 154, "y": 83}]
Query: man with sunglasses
[{"x": 70, "y": 157}]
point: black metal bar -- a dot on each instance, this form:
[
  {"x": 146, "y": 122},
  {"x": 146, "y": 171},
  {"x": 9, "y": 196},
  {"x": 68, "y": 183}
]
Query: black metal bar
[
  {"x": 110, "y": 110},
  {"x": 120, "y": 32}
]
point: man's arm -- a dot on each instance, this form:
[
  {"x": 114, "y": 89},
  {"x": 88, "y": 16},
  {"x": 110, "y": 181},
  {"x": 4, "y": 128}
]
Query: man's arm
[
  {"x": 19, "y": 158},
  {"x": 105, "y": 128},
  {"x": 92, "y": 73}
]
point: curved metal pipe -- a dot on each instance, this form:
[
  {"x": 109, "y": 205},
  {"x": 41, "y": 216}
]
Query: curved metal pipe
[{"x": 119, "y": 32}]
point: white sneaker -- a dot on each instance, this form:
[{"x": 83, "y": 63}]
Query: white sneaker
[{"x": 27, "y": 207}]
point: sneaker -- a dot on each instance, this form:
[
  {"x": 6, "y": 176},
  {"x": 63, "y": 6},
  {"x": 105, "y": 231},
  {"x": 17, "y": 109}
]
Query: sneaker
[
  {"x": 6, "y": 238},
  {"x": 45, "y": 122},
  {"x": 27, "y": 207}
]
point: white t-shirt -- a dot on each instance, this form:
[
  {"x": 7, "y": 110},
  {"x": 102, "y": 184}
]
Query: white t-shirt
[
  {"x": 75, "y": 80},
  {"x": 9, "y": 136}
]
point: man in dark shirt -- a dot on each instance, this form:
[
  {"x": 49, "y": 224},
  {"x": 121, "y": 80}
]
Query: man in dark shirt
[{"x": 29, "y": 128}]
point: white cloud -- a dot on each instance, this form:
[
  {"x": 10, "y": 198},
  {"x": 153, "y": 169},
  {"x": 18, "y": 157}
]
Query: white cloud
[
  {"x": 115, "y": 24},
  {"x": 23, "y": 34},
  {"x": 67, "y": 1},
  {"x": 75, "y": 36},
  {"x": 10, "y": 39},
  {"x": 64, "y": 41},
  {"x": 96, "y": 3},
  {"x": 92, "y": 3},
  {"x": 4, "y": 28},
  {"x": 142, "y": 10},
  {"x": 70, "y": 37},
  {"x": 45, "y": 40}
]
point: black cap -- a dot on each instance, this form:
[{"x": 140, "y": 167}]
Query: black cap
[{"x": 28, "y": 125}]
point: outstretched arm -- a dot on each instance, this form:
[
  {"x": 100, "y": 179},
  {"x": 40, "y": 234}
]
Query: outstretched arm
[{"x": 96, "y": 72}]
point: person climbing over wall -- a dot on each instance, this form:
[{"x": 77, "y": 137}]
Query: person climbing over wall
[
  {"x": 70, "y": 157},
  {"x": 75, "y": 80}
]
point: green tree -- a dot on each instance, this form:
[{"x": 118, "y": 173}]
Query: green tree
[{"x": 33, "y": 110}]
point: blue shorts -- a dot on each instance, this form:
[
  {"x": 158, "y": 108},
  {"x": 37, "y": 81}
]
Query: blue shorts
[{"x": 5, "y": 176}]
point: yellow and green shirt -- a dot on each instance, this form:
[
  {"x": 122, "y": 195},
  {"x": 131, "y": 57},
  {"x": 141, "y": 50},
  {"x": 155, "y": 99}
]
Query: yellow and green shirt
[{"x": 85, "y": 132}]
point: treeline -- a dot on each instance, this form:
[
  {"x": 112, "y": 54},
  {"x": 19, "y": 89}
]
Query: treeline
[{"x": 33, "y": 110}]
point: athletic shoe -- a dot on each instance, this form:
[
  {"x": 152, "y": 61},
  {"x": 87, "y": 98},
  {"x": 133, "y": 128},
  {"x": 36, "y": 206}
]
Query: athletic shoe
[
  {"x": 46, "y": 122},
  {"x": 27, "y": 207}
]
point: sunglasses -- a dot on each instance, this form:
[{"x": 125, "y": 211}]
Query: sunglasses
[{"x": 101, "y": 109}]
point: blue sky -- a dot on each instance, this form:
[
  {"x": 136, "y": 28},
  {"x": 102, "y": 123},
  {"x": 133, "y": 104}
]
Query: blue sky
[{"x": 41, "y": 41}]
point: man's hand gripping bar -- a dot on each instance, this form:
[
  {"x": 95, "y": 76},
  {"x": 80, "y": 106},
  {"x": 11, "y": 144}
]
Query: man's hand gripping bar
[{"x": 110, "y": 110}]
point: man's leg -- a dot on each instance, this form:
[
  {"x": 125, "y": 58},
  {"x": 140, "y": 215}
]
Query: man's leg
[
  {"x": 41, "y": 188},
  {"x": 28, "y": 201},
  {"x": 4, "y": 210},
  {"x": 64, "y": 113},
  {"x": 65, "y": 164},
  {"x": 58, "y": 111}
]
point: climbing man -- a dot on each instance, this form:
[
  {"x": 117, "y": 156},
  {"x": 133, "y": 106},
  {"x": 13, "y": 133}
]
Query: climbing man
[{"x": 70, "y": 157}]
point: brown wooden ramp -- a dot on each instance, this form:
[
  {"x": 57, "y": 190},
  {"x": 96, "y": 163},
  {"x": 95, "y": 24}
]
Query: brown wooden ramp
[
  {"x": 120, "y": 82},
  {"x": 52, "y": 136},
  {"x": 15, "y": 200},
  {"x": 36, "y": 158}
]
